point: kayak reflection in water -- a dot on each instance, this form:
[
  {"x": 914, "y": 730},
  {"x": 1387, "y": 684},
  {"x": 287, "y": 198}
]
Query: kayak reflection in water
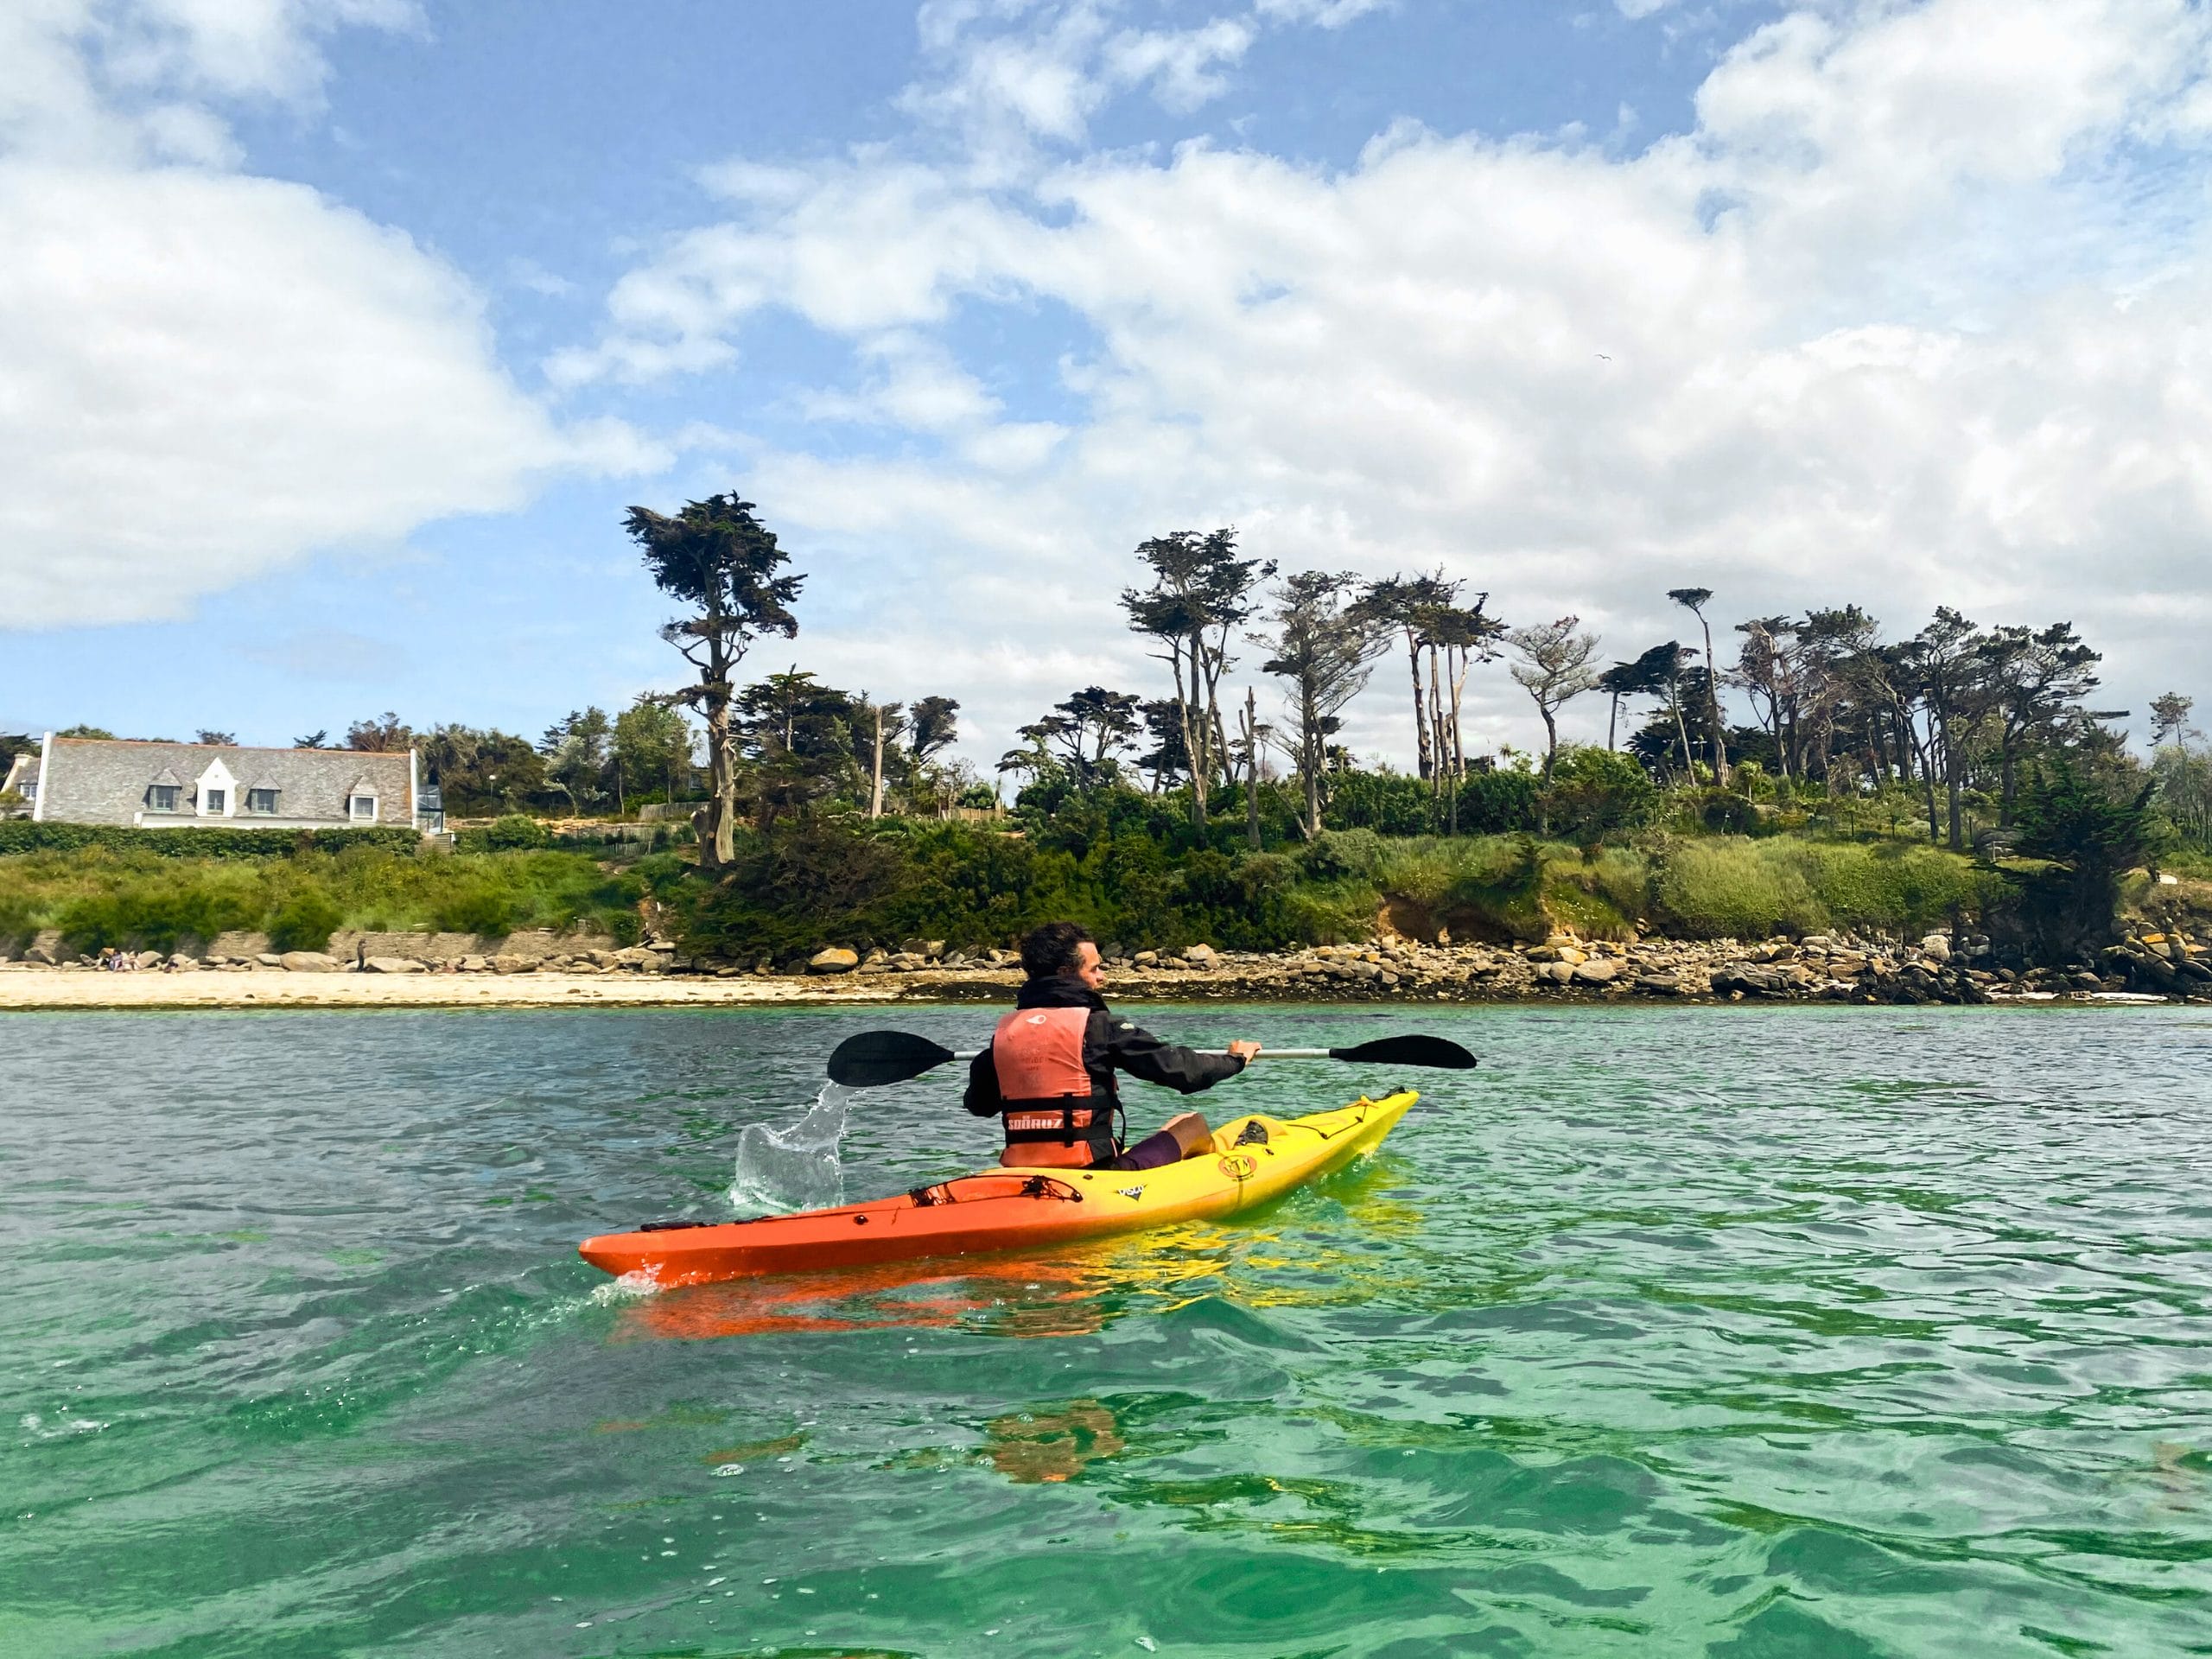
[{"x": 1049, "y": 1070}]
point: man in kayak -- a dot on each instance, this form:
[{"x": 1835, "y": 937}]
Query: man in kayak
[{"x": 1049, "y": 1070}]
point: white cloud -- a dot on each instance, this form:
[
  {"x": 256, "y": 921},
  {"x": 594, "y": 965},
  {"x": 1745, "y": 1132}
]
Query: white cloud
[
  {"x": 1009, "y": 77},
  {"x": 204, "y": 375},
  {"x": 1873, "y": 331},
  {"x": 913, "y": 384},
  {"x": 1183, "y": 68}
]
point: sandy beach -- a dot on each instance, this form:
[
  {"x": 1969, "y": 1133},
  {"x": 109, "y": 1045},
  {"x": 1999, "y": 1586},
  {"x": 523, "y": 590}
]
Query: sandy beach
[{"x": 34, "y": 990}]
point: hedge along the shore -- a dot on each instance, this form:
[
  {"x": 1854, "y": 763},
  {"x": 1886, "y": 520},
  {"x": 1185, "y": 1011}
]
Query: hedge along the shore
[{"x": 22, "y": 835}]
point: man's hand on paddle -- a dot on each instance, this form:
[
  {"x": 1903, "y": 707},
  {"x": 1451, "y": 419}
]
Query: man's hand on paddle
[{"x": 1245, "y": 1050}]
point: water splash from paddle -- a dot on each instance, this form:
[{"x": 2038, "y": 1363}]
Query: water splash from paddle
[{"x": 795, "y": 1168}]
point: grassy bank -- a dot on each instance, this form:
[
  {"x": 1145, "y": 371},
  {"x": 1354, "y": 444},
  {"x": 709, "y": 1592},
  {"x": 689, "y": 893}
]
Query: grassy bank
[
  {"x": 848, "y": 882},
  {"x": 830, "y": 883},
  {"x": 100, "y": 896}
]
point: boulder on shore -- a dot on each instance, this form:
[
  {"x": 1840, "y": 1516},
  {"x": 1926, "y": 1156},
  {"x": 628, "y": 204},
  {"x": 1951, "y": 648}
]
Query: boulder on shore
[
  {"x": 835, "y": 960},
  {"x": 308, "y": 961},
  {"x": 391, "y": 965}
]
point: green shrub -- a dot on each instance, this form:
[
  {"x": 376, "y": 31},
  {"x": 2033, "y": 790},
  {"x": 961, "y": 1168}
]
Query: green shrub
[
  {"x": 22, "y": 835},
  {"x": 158, "y": 914},
  {"x": 105, "y": 897},
  {"x": 1892, "y": 887},
  {"x": 480, "y": 907},
  {"x": 1726, "y": 889},
  {"x": 513, "y": 834},
  {"x": 16, "y": 925},
  {"x": 1335, "y": 854},
  {"x": 1386, "y": 803},
  {"x": 1497, "y": 889},
  {"x": 1498, "y": 802},
  {"x": 1724, "y": 812},
  {"x": 1742, "y": 889},
  {"x": 1594, "y": 792},
  {"x": 305, "y": 921},
  {"x": 1604, "y": 893}
]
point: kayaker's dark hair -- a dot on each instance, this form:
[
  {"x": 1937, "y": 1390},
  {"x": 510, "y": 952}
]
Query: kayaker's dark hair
[{"x": 1053, "y": 949}]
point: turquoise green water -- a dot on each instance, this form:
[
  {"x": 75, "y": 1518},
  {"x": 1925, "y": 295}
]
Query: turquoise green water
[{"x": 1696, "y": 1332}]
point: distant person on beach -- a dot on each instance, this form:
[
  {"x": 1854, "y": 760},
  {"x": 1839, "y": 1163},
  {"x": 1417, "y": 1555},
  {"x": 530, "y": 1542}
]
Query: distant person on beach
[{"x": 1049, "y": 1070}]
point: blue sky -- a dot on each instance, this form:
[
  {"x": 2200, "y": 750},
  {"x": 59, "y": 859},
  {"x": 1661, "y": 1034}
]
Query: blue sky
[{"x": 347, "y": 329}]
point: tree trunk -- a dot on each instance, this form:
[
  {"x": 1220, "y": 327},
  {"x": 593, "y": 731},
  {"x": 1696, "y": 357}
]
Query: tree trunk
[
  {"x": 2010, "y": 780},
  {"x": 1420, "y": 713},
  {"x": 1192, "y": 747},
  {"x": 1712, "y": 704},
  {"x": 1458, "y": 668},
  {"x": 1199, "y": 741},
  {"x": 1926, "y": 753},
  {"x": 1682, "y": 730},
  {"x": 1551, "y": 738},
  {"x": 875, "y": 771},
  {"x": 1312, "y": 742},
  {"x": 1251, "y": 769},
  {"x": 1442, "y": 761},
  {"x": 1612, "y": 723},
  {"x": 1441, "y": 770},
  {"x": 717, "y": 821},
  {"x": 1951, "y": 791}
]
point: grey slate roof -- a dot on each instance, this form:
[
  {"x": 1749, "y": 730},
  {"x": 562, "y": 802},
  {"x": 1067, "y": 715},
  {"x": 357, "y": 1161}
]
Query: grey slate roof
[{"x": 94, "y": 780}]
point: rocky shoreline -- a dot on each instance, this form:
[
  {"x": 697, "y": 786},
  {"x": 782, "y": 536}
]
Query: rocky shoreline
[{"x": 1837, "y": 969}]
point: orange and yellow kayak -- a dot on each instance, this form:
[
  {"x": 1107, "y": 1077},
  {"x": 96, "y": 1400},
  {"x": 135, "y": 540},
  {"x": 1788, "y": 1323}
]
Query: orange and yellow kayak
[{"x": 1253, "y": 1160}]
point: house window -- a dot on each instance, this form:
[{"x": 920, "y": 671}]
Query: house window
[
  {"x": 213, "y": 803},
  {"x": 29, "y": 792},
  {"x": 361, "y": 806},
  {"x": 261, "y": 800},
  {"x": 162, "y": 797}
]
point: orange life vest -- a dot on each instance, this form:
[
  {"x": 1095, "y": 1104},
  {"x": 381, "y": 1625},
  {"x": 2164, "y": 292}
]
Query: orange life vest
[{"x": 1054, "y": 1118}]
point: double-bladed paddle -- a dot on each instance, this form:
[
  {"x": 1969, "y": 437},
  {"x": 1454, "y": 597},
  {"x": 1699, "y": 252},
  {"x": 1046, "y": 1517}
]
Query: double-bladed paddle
[{"x": 876, "y": 1057}]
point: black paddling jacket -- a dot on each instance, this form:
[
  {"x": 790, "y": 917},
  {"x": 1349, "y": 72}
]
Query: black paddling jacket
[{"x": 1109, "y": 1044}]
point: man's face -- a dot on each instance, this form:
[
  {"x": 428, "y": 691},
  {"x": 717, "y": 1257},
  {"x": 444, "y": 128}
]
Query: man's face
[{"x": 1088, "y": 969}]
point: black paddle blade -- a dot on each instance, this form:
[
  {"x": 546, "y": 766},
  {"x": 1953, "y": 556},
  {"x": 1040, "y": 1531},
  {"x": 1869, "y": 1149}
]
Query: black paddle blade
[
  {"x": 1415, "y": 1050},
  {"x": 875, "y": 1057}
]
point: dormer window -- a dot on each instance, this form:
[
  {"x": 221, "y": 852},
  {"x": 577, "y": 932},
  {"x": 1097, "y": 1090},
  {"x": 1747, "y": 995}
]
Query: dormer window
[
  {"x": 162, "y": 797},
  {"x": 262, "y": 801},
  {"x": 362, "y": 809},
  {"x": 215, "y": 790}
]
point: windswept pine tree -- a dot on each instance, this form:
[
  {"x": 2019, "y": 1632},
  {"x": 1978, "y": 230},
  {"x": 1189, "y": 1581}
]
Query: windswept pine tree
[{"x": 714, "y": 557}]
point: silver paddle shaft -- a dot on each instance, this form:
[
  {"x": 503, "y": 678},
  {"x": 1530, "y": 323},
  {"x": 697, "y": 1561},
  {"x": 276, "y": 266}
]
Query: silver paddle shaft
[{"x": 1264, "y": 1054}]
